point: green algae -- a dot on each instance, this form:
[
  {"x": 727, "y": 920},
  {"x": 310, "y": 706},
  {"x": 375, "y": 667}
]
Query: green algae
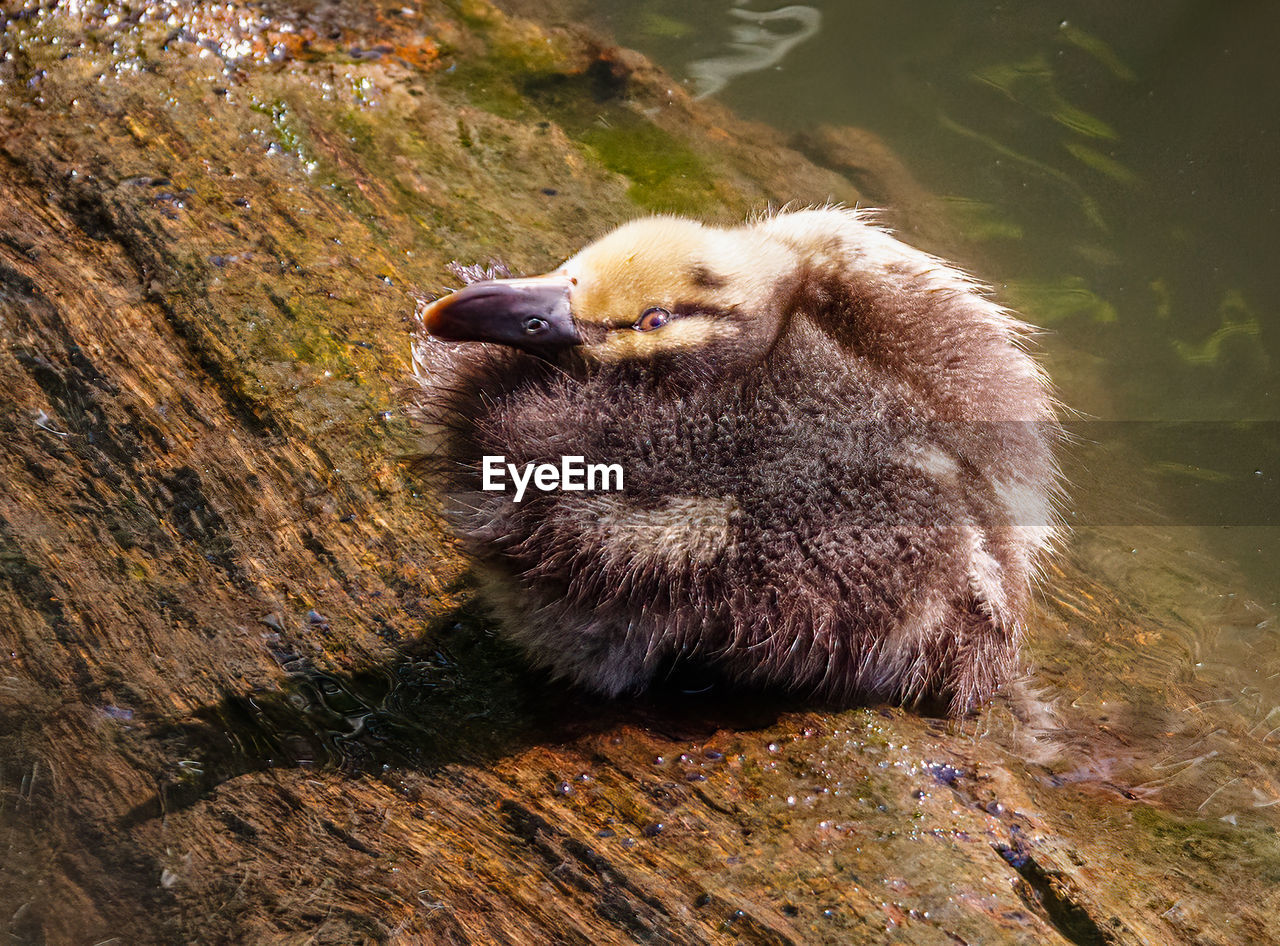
[
  {"x": 1102, "y": 163},
  {"x": 290, "y": 137},
  {"x": 1099, "y": 49},
  {"x": 521, "y": 78},
  {"x": 512, "y": 54},
  {"x": 1237, "y": 320},
  {"x": 665, "y": 176},
  {"x": 979, "y": 220},
  {"x": 1031, "y": 84},
  {"x": 491, "y": 86},
  {"x": 1088, "y": 205},
  {"x": 1254, "y": 851},
  {"x": 1050, "y": 303}
]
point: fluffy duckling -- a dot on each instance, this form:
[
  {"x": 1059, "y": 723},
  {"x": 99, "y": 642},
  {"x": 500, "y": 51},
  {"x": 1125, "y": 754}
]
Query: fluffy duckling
[{"x": 838, "y": 459}]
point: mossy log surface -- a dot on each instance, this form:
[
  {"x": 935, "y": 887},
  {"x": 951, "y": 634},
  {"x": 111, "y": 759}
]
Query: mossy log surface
[{"x": 244, "y": 697}]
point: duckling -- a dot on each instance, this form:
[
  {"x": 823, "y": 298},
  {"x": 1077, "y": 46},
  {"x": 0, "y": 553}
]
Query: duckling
[{"x": 838, "y": 456}]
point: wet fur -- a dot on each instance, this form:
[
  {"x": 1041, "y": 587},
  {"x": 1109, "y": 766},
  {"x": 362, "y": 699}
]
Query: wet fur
[{"x": 871, "y": 488}]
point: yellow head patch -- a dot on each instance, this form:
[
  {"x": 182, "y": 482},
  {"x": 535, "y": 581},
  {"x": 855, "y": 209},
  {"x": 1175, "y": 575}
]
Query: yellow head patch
[{"x": 695, "y": 272}]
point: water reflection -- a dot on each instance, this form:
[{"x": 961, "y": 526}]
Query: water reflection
[
  {"x": 1113, "y": 171},
  {"x": 754, "y": 45}
]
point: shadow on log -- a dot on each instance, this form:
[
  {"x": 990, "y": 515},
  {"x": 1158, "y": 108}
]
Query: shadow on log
[{"x": 469, "y": 700}]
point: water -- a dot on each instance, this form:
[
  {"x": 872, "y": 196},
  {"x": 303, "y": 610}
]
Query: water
[
  {"x": 1112, "y": 171},
  {"x": 1114, "y": 166}
]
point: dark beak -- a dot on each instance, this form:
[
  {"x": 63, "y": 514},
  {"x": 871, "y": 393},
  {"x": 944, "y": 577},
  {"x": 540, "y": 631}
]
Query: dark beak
[{"x": 531, "y": 313}]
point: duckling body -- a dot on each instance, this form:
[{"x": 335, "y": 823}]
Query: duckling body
[{"x": 839, "y": 474}]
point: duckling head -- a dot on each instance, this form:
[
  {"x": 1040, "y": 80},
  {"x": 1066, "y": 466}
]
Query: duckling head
[
  {"x": 649, "y": 292},
  {"x": 837, "y": 459}
]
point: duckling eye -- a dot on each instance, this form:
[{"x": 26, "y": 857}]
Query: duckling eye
[{"x": 652, "y": 318}]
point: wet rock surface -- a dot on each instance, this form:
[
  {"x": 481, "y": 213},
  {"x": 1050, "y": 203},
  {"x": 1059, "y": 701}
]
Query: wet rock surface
[{"x": 243, "y": 694}]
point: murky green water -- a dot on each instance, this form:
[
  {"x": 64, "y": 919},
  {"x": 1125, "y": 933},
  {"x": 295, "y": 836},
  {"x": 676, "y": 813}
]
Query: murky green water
[
  {"x": 1112, "y": 171},
  {"x": 1118, "y": 164}
]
